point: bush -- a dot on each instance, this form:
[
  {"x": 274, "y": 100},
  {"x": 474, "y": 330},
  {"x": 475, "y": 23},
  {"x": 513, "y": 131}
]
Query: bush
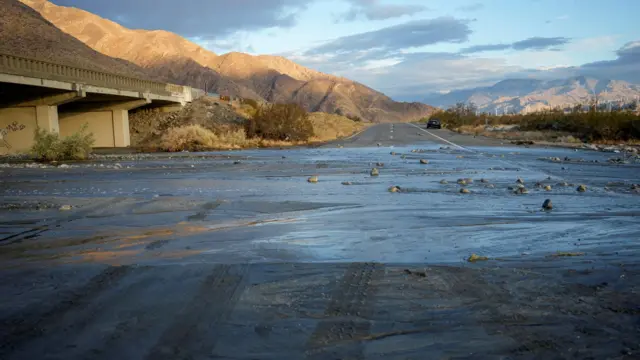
[
  {"x": 50, "y": 147},
  {"x": 251, "y": 102},
  {"x": 591, "y": 125},
  {"x": 284, "y": 122},
  {"x": 197, "y": 138},
  {"x": 355, "y": 118}
]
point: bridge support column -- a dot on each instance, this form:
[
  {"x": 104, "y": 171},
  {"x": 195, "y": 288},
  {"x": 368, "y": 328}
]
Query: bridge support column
[{"x": 107, "y": 121}]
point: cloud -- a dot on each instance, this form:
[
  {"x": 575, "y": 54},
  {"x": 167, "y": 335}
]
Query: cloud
[
  {"x": 471, "y": 7},
  {"x": 626, "y": 66},
  {"x": 539, "y": 43},
  {"x": 394, "y": 38},
  {"x": 205, "y": 19},
  {"x": 533, "y": 43},
  {"x": 374, "y": 10}
]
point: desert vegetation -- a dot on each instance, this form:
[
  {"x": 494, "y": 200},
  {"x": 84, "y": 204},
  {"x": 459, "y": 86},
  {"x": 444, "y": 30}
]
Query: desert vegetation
[
  {"x": 50, "y": 146},
  {"x": 270, "y": 125},
  {"x": 580, "y": 124}
]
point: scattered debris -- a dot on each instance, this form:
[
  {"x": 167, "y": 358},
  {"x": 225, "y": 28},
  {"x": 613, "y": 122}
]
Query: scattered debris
[
  {"x": 520, "y": 181},
  {"x": 521, "y": 191},
  {"x": 464, "y": 191},
  {"x": 424, "y": 162},
  {"x": 313, "y": 179},
  {"x": 523, "y": 142},
  {"x": 459, "y": 157},
  {"x": 443, "y": 182},
  {"x": 566, "y": 254},
  {"x": 473, "y": 258},
  {"x": 547, "y": 204},
  {"x": 65, "y": 208},
  {"x": 375, "y": 172},
  {"x": 563, "y": 184},
  {"x": 462, "y": 182},
  {"x": 63, "y": 166},
  {"x": 379, "y": 164},
  {"x": 581, "y": 188},
  {"x": 393, "y": 153},
  {"x": 347, "y": 183},
  {"x": 483, "y": 180},
  {"x": 547, "y": 188},
  {"x": 416, "y": 273},
  {"x": 394, "y": 189}
]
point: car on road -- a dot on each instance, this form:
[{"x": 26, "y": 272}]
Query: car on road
[{"x": 434, "y": 124}]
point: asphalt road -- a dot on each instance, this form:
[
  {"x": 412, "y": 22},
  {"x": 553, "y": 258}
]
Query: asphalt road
[{"x": 234, "y": 255}]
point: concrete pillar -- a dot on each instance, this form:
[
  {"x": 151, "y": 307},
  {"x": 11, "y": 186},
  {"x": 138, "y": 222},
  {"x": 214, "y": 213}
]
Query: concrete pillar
[
  {"x": 121, "y": 136},
  {"x": 47, "y": 118}
]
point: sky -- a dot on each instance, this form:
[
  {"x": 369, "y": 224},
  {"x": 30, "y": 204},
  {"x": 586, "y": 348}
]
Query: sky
[{"x": 408, "y": 49}]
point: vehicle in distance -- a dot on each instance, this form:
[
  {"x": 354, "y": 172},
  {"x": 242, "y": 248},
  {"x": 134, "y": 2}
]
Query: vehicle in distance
[{"x": 434, "y": 123}]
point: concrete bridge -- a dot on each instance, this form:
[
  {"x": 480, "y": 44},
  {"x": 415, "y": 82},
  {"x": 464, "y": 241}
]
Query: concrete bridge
[{"x": 61, "y": 98}]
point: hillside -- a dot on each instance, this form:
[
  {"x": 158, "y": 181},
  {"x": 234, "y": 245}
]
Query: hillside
[
  {"x": 269, "y": 78},
  {"x": 527, "y": 95},
  {"x": 23, "y": 32}
]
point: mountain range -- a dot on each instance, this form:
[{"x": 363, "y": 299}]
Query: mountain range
[
  {"x": 167, "y": 56},
  {"x": 528, "y": 95}
]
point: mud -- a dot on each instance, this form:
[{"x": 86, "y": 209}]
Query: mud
[{"x": 195, "y": 257}]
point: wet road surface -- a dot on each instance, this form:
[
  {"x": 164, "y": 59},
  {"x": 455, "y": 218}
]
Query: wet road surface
[{"x": 234, "y": 255}]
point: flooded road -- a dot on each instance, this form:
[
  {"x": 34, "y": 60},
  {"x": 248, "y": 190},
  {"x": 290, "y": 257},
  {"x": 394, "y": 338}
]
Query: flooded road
[{"x": 235, "y": 255}]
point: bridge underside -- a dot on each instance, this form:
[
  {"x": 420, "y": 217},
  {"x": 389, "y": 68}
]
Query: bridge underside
[{"x": 65, "y": 110}]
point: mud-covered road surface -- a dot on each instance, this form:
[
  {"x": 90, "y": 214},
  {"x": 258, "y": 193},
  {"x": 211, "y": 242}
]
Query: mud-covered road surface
[{"x": 234, "y": 255}]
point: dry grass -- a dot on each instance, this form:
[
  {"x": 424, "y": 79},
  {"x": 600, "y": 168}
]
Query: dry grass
[{"x": 327, "y": 127}]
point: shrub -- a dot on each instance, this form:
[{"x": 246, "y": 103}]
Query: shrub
[
  {"x": 251, "y": 102},
  {"x": 284, "y": 122},
  {"x": 197, "y": 138},
  {"x": 50, "y": 147},
  {"x": 355, "y": 118}
]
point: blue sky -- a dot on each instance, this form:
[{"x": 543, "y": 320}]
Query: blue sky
[{"x": 408, "y": 48}]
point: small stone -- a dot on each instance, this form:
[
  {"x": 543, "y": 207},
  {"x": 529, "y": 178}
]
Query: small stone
[
  {"x": 424, "y": 162},
  {"x": 347, "y": 183},
  {"x": 464, "y": 191},
  {"x": 521, "y": 191},
  {"x": 379, "y": 144},
  {"x": 63, "y": 166},
  {"x": 117, "y": 166},
  {"x": 473, "y": 258},
  {"x": 547, "y": 205},
  {"x": 394, "y": 189},
  {"x": 520, "y": 181},
  {"x": 491, "y": 186},
  {"x": 459, "y": 157},
  {"x": 563, "y": 184},
  {"x": 547, "y": 188},
  {"x": 237, "y": 162},
  {"x": 375, "y": 172},
  {"x": 483, "y": 180},
  {"x": 581, "y": 188},
  {"x": 462, "y": 182},
  {"x": 443, "y": 181},
  {"x": 313, "y": 179},
  {"x": 635, "y": 186},
  {"x": 65, "y": 208},
  {"x": 468, "y": 180},
  {"x": 403, "y": 156},
  {"x": 519, "y": 186},
  {"x": 538, "y": 185},
  {"x": 393, "y": 153},
  {"x": 379, "y": 164}
]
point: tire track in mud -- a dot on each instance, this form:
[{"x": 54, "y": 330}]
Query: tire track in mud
[
  {"x": 352, "y": 298},
  {"x": 32, "y": 323},
  {"x": 190, "y": 334}
]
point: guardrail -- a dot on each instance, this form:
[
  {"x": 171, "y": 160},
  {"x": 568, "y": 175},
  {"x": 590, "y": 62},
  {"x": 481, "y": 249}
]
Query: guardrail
[{"x": 16, "y": 65}]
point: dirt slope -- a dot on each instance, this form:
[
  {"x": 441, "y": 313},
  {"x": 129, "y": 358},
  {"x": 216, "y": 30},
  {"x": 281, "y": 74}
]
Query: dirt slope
[{"x": 25, "y": 32}]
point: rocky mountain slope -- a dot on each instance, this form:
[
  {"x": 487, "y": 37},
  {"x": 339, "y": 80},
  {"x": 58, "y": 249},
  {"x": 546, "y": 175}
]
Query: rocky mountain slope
[
  {"x": 23, "y": 32},
  {"x": 526, "y": 95},
  {"x": 268, "y": 78}
]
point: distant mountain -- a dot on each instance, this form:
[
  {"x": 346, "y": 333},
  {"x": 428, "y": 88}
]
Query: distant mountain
[
  {"x": 268, "y": 78},
  {"x": 526, "y": 95}
]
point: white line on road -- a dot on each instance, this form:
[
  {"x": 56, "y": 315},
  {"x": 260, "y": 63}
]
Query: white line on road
[{"x": 438, "y": 137}]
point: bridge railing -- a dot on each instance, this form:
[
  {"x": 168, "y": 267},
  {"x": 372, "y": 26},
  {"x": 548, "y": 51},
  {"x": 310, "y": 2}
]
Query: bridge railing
[{"x": 16, "y": 65}]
